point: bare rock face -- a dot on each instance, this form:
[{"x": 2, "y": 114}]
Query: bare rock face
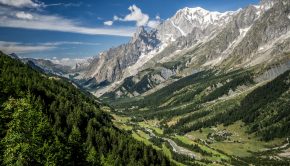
[
  {"x": 110, "y": 64},
  {"x": 264, "y": 36},
  {"x": 217, "y": 48}
]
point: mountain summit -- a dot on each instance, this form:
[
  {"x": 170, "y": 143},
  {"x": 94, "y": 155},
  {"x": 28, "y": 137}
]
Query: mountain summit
[{"x": 232, "y": 39}]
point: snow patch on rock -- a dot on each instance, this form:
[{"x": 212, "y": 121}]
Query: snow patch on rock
[
  {"x": 180, "y": 30},
  {"x": 201, "y": 17},
  {"x": 133, "y": 70},
  {"x": 230, "y": 48}
]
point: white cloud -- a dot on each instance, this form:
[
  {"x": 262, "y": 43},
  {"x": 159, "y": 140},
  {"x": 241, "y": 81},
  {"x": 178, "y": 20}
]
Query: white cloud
[
  {"x": 23, "y": 15},
  {"x": 69, "y": 61},
  {"x": 115, "y": 18},
  {"x": 35, "y": 4},
  {"x": 140, "y": 18},
  {"x": 63, "y": 4},
  {"x": 16, "y": 47},
  {"x": 9, "y": 18},
  {"x": 68, "y": 43},
  {"x": 108, "y": 23},
  {"x": 20, "y": 3},
  {"x": 153, "y": 23},
  {"x": 136, "y": 15}
]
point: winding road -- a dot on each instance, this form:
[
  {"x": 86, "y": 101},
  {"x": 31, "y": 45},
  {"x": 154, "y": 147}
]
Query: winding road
[{"x": 175, "y": 147}]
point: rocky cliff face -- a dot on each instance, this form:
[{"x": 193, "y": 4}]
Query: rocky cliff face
[
  {"x": 266, "y": 39},
  {"x": 109, "y": 65}
]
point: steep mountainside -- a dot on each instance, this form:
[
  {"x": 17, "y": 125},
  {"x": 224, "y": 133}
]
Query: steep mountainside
[
  {"x": 110, "y": 64},
  {"x": 47, "y": 121}
]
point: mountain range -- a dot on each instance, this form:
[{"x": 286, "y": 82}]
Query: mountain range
[
  {"x": 192, "y": 40},
  {"x": 203, "y": 87}
]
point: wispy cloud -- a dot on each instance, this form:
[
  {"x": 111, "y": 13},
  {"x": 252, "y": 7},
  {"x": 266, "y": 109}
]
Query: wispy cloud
[
  {"x": 13, "y": 14},
  {"x": 23, "y": 15},
  {"x": 18, "y": 47},
  {"x": 154, "y": 23},
  {"x": 69, "y": 43},
  {"x": 15, "y": 47},
  {"x": 70, "y": 61},
  {"x": 63, "y": 4},
  {"x": 35, "y": 4},
  {"x": 135, "y": 15},
  {"x": 21, "y": 3},
  {"x": 26, "y": 20},
  {"x": 108, "y": 23}
]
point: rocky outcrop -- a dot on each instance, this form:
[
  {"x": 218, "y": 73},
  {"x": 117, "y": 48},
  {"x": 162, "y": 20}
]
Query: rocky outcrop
[{"x": 110, "y": 65}]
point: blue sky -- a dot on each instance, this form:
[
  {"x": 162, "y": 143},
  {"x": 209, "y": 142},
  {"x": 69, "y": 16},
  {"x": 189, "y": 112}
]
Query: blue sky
[{"x": 62, "y": 29}]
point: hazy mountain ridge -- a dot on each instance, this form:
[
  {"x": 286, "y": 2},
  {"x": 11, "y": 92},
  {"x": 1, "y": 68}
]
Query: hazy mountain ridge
[{"x": 52, "y": 66}]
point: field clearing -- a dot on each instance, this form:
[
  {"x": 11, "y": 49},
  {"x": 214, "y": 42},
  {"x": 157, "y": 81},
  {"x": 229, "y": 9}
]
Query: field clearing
[{"x": 241, "y": 144}]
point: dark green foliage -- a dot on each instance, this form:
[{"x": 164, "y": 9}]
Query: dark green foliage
[
  {"x": 267, "y": 108},
  {"x": 156, "y": 141},
  {"x": 181, "y": 158},
  {"x": 188, "y": 94},
  {"x": 244, "y": 79},
  {"x": 176, "y": 156},
  {"x": 266, "y": 111},
  {"x": 140, "y": 87},
  {"x": 49, "y": 121},
  {"x": 171, "y": 65},
  {"x": 28, "y": 138},
  {"x": 159, "y": 97},
  {"x": 261, "y": 158},
  {"x": 183, "y": 127}
]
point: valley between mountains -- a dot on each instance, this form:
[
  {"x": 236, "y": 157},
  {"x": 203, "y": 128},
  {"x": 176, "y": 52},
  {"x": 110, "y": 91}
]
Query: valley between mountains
[{"x": 202, "y": 88}]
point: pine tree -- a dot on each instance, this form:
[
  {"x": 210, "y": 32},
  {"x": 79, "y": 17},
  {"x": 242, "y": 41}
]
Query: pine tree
[{"x": 28, "y": 133}]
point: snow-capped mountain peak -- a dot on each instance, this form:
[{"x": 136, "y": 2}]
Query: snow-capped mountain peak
[
  {"x": 218, "y": 35},
  {"x": 200, "y": 17},
  {"x": 187, "y": 19}
]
